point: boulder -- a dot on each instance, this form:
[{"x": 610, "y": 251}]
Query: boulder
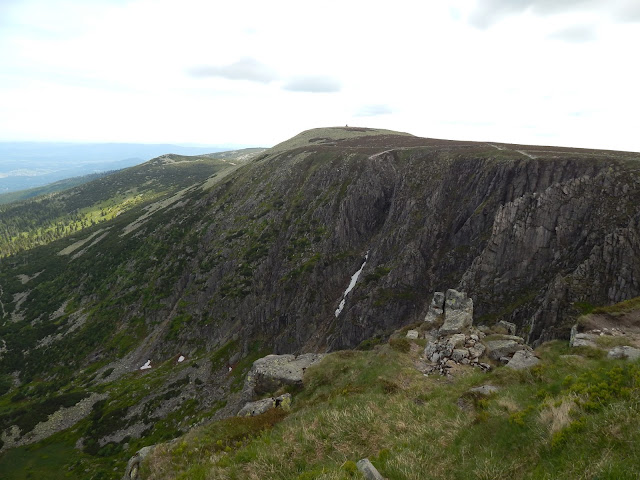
[
  {"x": 436, "y": 308},
  {"x": 508, "y": 326},
  {"x": 368, "y": 470},
  {"x": 498, "y": 348},
  {"x": 523, "y": 359},
  {"x": 477, "y": 350},
  {"x": 412, "y": 334},
  {"x": 274, "y": 371},
  {"x": 430, "y": 348},
  {"x": 459, "y": 354},
  {"x": 457, "y": 340},
  {"x": 133, "y": 465},
  {"x": 458, "y": 313},
  {"x": 584, "y": 340},
  {"x": 251, "y": 409},
  {"x": 627, "y": 352}
]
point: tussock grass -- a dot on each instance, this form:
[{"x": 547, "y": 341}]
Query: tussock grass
[{"x": 556, "y": 420}]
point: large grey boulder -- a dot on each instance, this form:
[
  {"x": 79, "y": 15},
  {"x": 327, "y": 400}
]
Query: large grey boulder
[
  {"x": 523, "y": 359},
  {"x": 251, "y": 409},
  {"x": 133, "y": 466},
  {"x": 502, "y": 347},
  {"x": 436, "y": 308},
  {"x": 270, "y": 373},
  {"x": 627, "y": 352},
  {"x": 368, "y": 470},
  {"x": 584, "y": 340},
  {"x": 458, "y": 313}
]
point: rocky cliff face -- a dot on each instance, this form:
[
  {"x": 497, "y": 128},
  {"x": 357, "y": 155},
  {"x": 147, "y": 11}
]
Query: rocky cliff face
[{"x": 525, "y": 236}]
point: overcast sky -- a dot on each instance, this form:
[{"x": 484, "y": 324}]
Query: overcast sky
[{"x": 552, "y": 72}]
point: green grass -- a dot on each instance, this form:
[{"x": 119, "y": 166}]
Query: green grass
[
  {"x": 569, "y": 417},
  {"x": 620, "y": 308}
]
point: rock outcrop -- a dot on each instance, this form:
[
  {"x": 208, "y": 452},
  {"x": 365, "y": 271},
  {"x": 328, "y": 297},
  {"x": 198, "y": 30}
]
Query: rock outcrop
[
  {"x": 132, "y": 472},
  {"x": 436, "y": 309},
  {"x": 251, "y": 409},
  {"x": 458, "y": 342},
  {"x": 523, "y": 359},
  {"x": 458, "y": 312},
  {"x": 270, "y": 373}
]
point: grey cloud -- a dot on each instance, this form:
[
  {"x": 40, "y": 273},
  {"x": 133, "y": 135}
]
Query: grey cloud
[
  {"x": 373, "y": 110},
  {"x": 576, "y": 34},
  {"x": 313, "y": 84},
  {"x": 244, "y": 69}
]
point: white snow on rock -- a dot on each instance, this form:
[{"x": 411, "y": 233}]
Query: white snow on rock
[
  {"x": 352, "y": 283},
  {"x": 146, "y": 365}
]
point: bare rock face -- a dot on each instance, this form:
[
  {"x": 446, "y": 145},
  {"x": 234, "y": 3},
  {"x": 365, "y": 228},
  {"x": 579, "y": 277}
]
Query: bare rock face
[
  {"x": 458, "y": 313},
  {"x": 274, "y": 371}
]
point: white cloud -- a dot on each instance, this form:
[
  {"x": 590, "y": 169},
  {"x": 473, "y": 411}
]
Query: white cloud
[
  {"x": 373, "y": 110},
  {"x": 250, "y": 72},
  {"x": 313, "y": 84},
  {"x": 244, "y": 69}
]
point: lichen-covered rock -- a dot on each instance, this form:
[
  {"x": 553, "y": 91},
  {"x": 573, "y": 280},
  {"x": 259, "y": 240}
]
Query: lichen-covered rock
[
  {"x": 477, "y": 350},
  {"x": 523, "y": 359},
  {"x": 251, "y": 409},
  {"x": 274, "y": 371},
  {"x": 458, "y": 313},
  {"x": 412, "y": 334},
  {"x": 459, "y": 354},
  {"x": 133, "y": 466},
  {"x": 584, "y": 340},
  {"x": 436, "y": 308},
  {"x": 623, "y": 352},
  {"x": 368, "y": 470},
  {"x": 457, "y": 340},
  {"x": 499, "y": 348}
]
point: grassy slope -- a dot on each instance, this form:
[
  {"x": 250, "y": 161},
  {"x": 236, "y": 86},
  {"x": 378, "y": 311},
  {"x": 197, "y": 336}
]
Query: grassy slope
[{"x": 570, "y": 417}]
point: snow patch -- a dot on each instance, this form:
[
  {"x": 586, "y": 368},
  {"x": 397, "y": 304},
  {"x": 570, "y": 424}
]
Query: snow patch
[
  {"x": 352, "y": 283},
  {"x": 146, "y": 365},
  {"x": 181, "y": 359}
]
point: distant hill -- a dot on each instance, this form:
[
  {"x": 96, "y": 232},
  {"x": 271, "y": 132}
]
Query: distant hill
[
  {"x": 25, "y": 165},
  {"x": 49, "y": 188}
]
